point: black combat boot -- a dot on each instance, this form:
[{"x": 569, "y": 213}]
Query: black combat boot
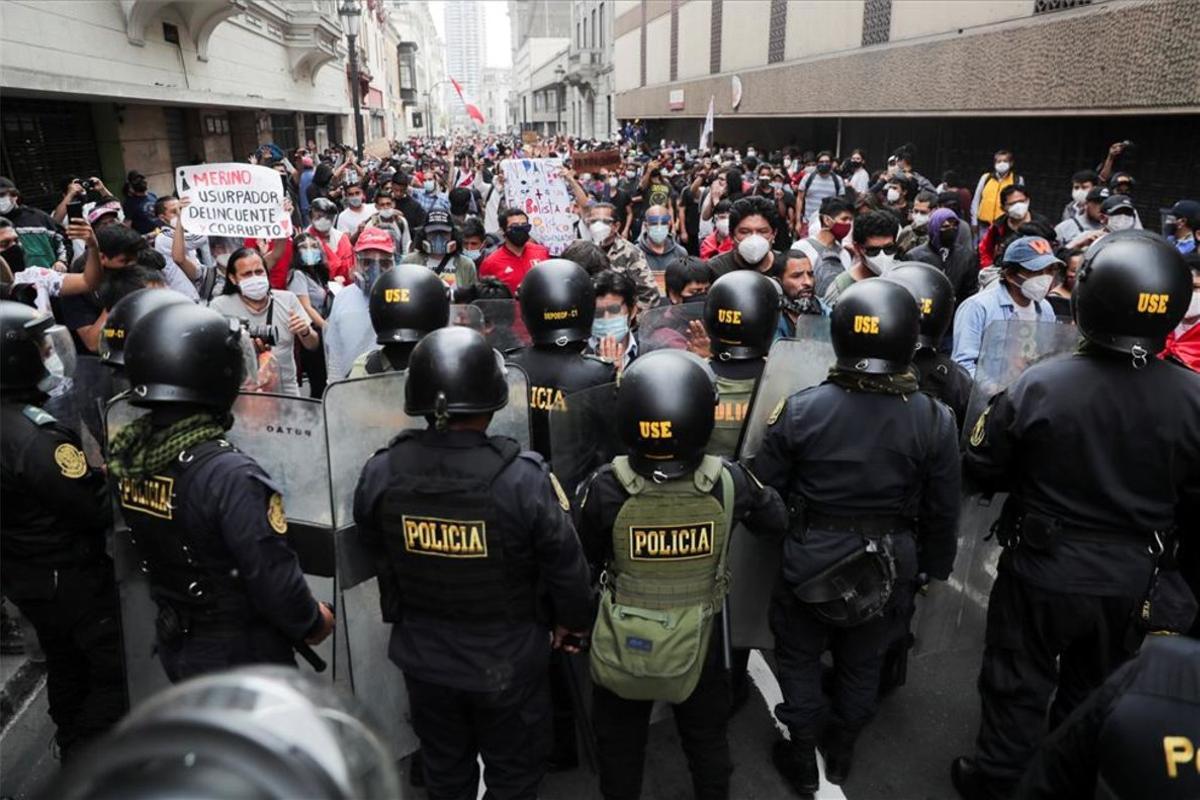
[
  {"x": 973, "y": 784},
  {"x": 797, "y": 763},
  {"x": 837, "y": 746}
]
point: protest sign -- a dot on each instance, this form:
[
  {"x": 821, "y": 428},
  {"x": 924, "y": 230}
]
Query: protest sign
[
  {"x": 378, "y": 148},
  {"x": 240, "y": 200},
  {"x": 530, "y": 137},
  {"x": 537, "y": 187},
  {"x": 596, "y": 160}
]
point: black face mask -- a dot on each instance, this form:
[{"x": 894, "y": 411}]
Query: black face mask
[
  {"x": 697, "y": 298},
  {"x": 15, "y": 256},
  {"x": 824, "y": 168},
  {"x": 138, "y": 186},
  {"x": 802, "y": 305},
  {"x": 948, "y": 237},
  {"x": 518, "y": 234}
]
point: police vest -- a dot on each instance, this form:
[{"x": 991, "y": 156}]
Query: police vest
[
  {"x": 1148, "y": 745},
  {"x": 732, "y": 409},
  {"x": 670, "y": 539},
  {"x": 446, "y": 540},
  {"x": 183, "y": 571}
]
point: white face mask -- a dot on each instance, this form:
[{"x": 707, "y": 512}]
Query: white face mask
[
  {"x": 1037, "y": 287},
  {"x": 1079, "y": 196},
  {"x": 1018, "y": 210},
  {"x": 753, "y": 248},
  {"x": 893, "y": 194},
  {"x": 585, "y": 178},
  {"x": 428, "y": 186},
  {"x": 1002, "y": 167},
  {"x": 322, "y": 224},
  {"x": 6, "y": 204},
  {"x": 751, "y": 153},
  {"x": 600, "y": 231},
  {"x": 722, "y": 226},
  {"x": 1120, "y": 222},
  {"x": 881, "y": 264},
  {"x": 256, "y": 287},
  {"x": 1193, "y": 309},
  {"x": 387, "y": 213},
  {"x": 657, "y": 233},
  {"x": 920, "y": 220},
  {"x": 613, "y": 181}
]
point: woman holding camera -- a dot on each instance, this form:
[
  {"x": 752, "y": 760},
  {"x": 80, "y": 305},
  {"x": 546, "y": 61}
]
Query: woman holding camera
[{"x": 274, "y": 319}]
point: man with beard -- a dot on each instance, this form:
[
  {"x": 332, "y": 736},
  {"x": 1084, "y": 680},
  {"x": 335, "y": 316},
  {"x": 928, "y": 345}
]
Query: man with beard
[{"x": 799, "y": 293}]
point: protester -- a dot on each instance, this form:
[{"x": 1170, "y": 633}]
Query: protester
[
  {"x": 1183, "y": 343},
  {"x": 687, "y": 280},
  {"x": 517, "y": 255},
  {"x": 438, "y": 247},
  {"x": 138, "y": 203},
  {"x": 43, "y": 242},
  {"x": 623, "y": 255},
  {"x": 718, "y": 241},
  {"x": 989, "y": 206},
  {"x": 348, "y": 332},
  {"x": 752, "y": 222},
  {"x": 658, "y": 245},
  {"x": 874, "y": 253}
]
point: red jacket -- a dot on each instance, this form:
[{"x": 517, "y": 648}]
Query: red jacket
[
  {"x": 339, "y": 256},
  {"x": 1184, "y": 349},
  {"x": 711, "y": 247}
]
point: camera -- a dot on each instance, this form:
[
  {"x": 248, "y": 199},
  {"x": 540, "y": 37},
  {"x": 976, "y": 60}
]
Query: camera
[
  {"x": 88, "y": 184},
  {"x": 264, "y": 333}
]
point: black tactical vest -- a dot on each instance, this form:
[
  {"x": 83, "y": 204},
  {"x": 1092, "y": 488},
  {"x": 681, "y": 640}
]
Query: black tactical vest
[
  {"x": 183, "y": 572},
  {"x": 553, "y": 375},
  {"x": 448, "y": 545}
]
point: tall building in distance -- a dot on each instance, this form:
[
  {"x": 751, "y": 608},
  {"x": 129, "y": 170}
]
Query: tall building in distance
[
  {"x": 541, "y": 33},
  {"x": 464, "y": 55}
]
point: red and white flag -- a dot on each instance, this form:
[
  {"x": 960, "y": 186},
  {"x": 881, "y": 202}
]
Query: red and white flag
[{"x": 472, "y": 110}]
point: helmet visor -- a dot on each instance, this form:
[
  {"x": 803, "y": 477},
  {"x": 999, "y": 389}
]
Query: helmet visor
[{"x": 57, "y": 352}]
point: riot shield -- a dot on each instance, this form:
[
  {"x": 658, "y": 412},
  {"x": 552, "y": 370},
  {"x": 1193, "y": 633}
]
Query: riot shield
[
  {"x": 667, "y": 327},
  {"x": 282, "y": 433},
  {"x": 792, "y": 365},
  {"x": 467, "y": 317},
  {"x": 361, "y": 416},
  {"x": 953, "y": 615},
  {"x": 583, "y": 434},
  {"x": 502, "y": 325}
]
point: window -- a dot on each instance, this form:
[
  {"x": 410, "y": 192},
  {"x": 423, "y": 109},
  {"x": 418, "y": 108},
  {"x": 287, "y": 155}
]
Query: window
[
  {"x": 593, "y": 27},
  {"x": 579, "y": 34},
  {"x": 602, "y": 26}
]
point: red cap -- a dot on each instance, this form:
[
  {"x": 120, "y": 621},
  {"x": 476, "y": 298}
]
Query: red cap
[{"x": 375, "y": 239}]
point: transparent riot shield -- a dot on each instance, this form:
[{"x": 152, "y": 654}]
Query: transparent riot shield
[
  {"x": 952, "y": 616},
  {"x": 792, "y": 365},
  {"x": 285, "y": 435},
  {"x": 667, "y": 327},
  {"x": 467, "y": 317},
  {"x": 502, "y": 325},
  {"x": 361, "y": 416},
  {"x": 583, "y": 434}
]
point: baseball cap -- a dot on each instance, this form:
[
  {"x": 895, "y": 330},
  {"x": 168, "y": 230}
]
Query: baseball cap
[
  {"x": 1186, "y": 209},
  {"x": 102, "y": 209},
  {"x": 1098, "y": 194},
  {"x": 1117, "y": 202},
  {"x": 375, "y": 239},
  {"x": 306, "y": 161},
  {"x": 6, "y": 185},
  {"x": 1032, "y": 253},
  {"x": 438, "y": 220}
]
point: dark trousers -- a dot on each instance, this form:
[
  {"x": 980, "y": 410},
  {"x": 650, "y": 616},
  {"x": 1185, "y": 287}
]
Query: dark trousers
[
  {"x": 1036, "y": 642},
  {"x": 858, "y": 654},
  {"x": 204, "y": 651},
  {"x": 510, "y": 729},
  {"x": 76, "y": 620},
  {"x": 622, "y": 728}
]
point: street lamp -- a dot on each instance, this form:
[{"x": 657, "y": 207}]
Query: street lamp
[
  {"x": 351, "y": 14},
  {"x": 559, "y": 74}
]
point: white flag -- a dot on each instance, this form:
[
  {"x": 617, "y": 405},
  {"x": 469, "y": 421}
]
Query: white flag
[{"x": 707, "y": 132}]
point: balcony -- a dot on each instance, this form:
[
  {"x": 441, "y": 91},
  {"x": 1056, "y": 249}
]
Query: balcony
[{"x": 584, "y": 66}]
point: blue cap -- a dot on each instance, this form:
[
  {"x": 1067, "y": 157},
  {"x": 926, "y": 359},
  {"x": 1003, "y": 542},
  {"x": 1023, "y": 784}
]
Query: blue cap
[{"x": 1032, "y": 253}]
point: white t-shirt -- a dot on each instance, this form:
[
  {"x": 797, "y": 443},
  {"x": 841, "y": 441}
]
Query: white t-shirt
[
  {"x": 283, "y": 304},
  {"x": 48, "y": 283},
  {"x": 1027, "y": 313},
  {"x": 174, "y": 275},
  {"x": 349, "y": 220}
]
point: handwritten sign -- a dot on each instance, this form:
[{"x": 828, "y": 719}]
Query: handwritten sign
[
  {"x": 530, "y": 137},
  {"x": 241, "y": 200},
  {"x": 595, "y": 160},
  {"x": 537, "y": 187}
]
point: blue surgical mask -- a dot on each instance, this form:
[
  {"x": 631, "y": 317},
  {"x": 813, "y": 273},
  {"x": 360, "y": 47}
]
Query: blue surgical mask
[
  {"x": 310, "y": 257},
  {"x": 616, "y": 327},
  {"x": 474, "y": 255}
]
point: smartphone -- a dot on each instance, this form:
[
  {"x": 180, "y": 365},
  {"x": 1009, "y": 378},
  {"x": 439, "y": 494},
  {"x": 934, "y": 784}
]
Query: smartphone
[{"x": 75, "y": 209}]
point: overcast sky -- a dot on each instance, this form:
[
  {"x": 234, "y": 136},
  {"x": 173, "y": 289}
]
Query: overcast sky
[{"x": 496, "y": 40}]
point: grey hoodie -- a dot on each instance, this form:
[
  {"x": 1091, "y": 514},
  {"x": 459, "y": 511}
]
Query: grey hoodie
[{"x": 657, "y": 263}]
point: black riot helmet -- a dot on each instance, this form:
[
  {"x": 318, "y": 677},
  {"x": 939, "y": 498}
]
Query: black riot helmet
[
  {"x": 665, "y": 406},
  {"x": 741, "y": 314},
  {"x": 407, "y": 302},
  {"x": 1131, "y": 290},
  {"x": 454, "y": 371},
  {"x": 934, "y": 294},
  {"x": 125, "y": 313},
  {"x": 874, "y": 328},
  {"x": 184, "y": 354},
  {"x": 558, "y": 302},
  {"x": 35, "y": 353}
]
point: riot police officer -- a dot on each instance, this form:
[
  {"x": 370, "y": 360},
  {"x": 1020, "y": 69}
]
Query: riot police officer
[
  {"x": 124, "y": 315},
  {"x": 1100, "y": 451},
  {"x": 557, "y": 305},
  {"x": 466, "y": 529},
  {"x": 741, "y": 314},
  {"x": 658, "y": 522},
  {"x": 937, "y": 373},
  {"x": 1134, "y": 737},
  {"x": 869, "y": 468},
  {"x": 406, "y": 303},
  {"x": 52, "y": 560},
  {"x": 206, "y": 520}
]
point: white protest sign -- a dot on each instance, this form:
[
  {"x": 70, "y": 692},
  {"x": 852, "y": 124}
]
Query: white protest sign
[
  {"x": 537, "y": 187},
  {"x": 239, "y": 200}
]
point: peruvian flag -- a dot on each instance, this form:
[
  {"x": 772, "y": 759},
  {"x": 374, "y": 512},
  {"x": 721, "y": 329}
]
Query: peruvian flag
[{"x": 472, "y": 110}]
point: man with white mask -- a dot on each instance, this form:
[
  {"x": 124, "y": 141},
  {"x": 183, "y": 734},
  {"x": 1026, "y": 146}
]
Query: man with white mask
[
  {"x": 873, "y": 253},
  {"x": 1028, "y": 270},
  {"x": 752, "y": 228},
  {"x": 623, "y": 255}
]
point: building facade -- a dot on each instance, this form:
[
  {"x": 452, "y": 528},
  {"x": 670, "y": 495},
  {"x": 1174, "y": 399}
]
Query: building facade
[
  {"x": 496, "y": 84},
  {"x": 149, "y": 85},
  {"x": 959, "y": 80},
  {"x": 464, "y": 56},
  {"x": 540, "y": 41},
  {"x": 420, "y": 55},
  {"x": 589, "y": 76}
]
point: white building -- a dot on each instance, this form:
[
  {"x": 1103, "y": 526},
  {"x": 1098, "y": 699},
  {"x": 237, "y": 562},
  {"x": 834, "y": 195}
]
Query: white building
[
  {"x": 422, "y": 68},
  {"x": 464, "y": 56},
  {"x": 107, "y": 86},
  {"x": 589, "y": 76},
  {"x": 493, "y": 98}
]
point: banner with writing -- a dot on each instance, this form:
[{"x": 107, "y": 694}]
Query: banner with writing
[
  {"x": 537, "y": 187},
  {"x": 240, "y": 200}
]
